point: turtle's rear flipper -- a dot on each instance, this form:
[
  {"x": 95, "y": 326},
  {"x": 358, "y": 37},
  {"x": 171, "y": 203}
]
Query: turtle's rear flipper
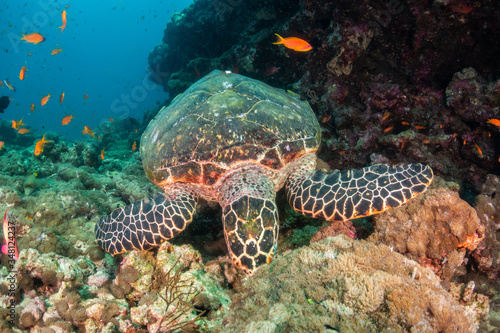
[
  {"x": 350, "y": 194},
  {"x": 146, "y": 224}
]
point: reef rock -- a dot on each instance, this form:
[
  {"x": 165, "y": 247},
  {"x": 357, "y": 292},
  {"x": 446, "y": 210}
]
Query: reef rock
[
  {"x": 487, "y": 205},
  {"x": 434, "y": 229},
  {"x": 344, "y": 285}
]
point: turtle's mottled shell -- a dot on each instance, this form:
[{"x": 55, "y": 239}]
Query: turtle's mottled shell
[{"x": 222, "y": 120}]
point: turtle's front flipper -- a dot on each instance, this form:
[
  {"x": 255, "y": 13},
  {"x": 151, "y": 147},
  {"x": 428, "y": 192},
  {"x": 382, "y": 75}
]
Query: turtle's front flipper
[
  {"x": 250, "y": 219},
  {"x": 341, "y": 196},
  {"x": 146, "y": 224}
]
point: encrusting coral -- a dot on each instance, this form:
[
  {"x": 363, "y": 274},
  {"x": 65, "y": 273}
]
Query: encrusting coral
[
  {"x": 343, "y": 285},
  {"x": 434, "y": 229},
  {"x": 487, "y": 204}
]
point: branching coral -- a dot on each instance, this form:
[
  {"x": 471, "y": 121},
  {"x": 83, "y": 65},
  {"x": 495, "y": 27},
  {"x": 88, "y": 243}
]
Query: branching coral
[{"x": 178, "y": 297}]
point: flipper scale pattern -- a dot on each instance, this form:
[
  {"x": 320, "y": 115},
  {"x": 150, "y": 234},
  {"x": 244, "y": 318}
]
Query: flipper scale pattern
[
  {"x": 146, "y": 224},
  {"x": 341, "y": 196}
]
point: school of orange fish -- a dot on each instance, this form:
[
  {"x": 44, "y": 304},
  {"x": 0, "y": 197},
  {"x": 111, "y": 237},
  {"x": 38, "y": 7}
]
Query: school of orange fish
[{"x": 36, "y": 38}]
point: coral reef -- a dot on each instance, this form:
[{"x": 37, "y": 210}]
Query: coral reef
[
  {"x": 390, "y": 82},
  {"x": 342, "y": 285},
  {"x": 487, "y": 204},
  {"x": 153, "y": 292},
  {"x": 435, "y": 229}
]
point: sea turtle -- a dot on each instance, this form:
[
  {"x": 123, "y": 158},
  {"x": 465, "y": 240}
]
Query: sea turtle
[{"x": 237, "y": 141}]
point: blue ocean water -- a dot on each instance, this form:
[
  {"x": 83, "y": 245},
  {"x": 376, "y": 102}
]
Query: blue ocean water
[{"x": 105, "y": 47}]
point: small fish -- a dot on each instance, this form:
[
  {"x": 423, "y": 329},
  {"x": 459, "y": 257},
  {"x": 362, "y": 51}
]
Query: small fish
[
  {"x": 85, "y": 96},
  {"x": 1, "y": 144},
  {"x": 66, "y": 120},
  {"x": 87, "y": 130},
  {"x": 30, "y": 54},
  {"x": 39, "y": 145},
  {"x": 326, "y": 118},
  {"x": 135, "y": 130},
  {"x": 388, "y": 129},
  {"x": 463, "y": 7},
  {"x": 294, "y": 43},
  {"x": 34, "y": 38},
  {"x": 45, "y": 99},
  {"x": 17, "y": 124},
  {"x": 419, "y": 127},
  {"x": 494, "y": 121},
  {"x": 386, "y": 115},
  {"x": 478, "y": 149},
  {"x": 32, "y": 107},
  {"x": 23, "y": 131},
  {"x": 56, "y": 51},
  {"x": 111, "y": 119},
  {"x": 9, "y": 240},
  {"x": 61, "y": 98},
  {"x": 426, "y": 141},
  {"x": 102, "y": 154},
  {"x": 8, "y": 85},
  {"x": 405, "y": 123},
  {"x": 22, "y": 73},
  {"x": 64, "y": 19},
  {"x": 271, "y": 70},
  {"x": 134, "y": 146}
]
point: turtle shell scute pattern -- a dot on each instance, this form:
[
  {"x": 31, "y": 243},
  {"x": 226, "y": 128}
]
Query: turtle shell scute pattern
[{"x": 224, "y": 119}]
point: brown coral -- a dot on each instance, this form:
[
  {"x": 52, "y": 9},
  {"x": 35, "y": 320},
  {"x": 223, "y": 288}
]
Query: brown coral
[
  {"x": 434, "y": 229},
  {"x": 349, "y": 286},
  {"x": 487, "y": 204}
]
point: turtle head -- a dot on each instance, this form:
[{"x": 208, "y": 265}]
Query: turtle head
[{"x": 250, "y": 218}]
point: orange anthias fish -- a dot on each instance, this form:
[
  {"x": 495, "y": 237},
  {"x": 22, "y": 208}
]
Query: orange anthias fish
[
  {"x": 85, "y": 96},
  {"x": 10, "y": 247},
  {"x": 66, "y": 120},
  {"x": 462, "y": 7},
  {"x": 87, "y": 130},
  {"x": 44, "y": 100},
  {"x": 102, "y": 154},
  {"x": 61, "y": 98},
  {"x": 134, "y": 146},
  {"x": 22, "y": 73},
  {"x": 39, "y": 145},
  {"x": 1, "y": 144},
  {"x": 23, "y": 131},
  {"x": 17, "y": 124},
  {"x": 480, "y": 152},
  {"x": 294, "y": 43},
  {"x": 63, "y": 17},
  {"x": 56, "y": 51},
  {"x": 493, "y": 121},
  {"x": 34, "y": 38},
  {"x": 32, "y": 107}
]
